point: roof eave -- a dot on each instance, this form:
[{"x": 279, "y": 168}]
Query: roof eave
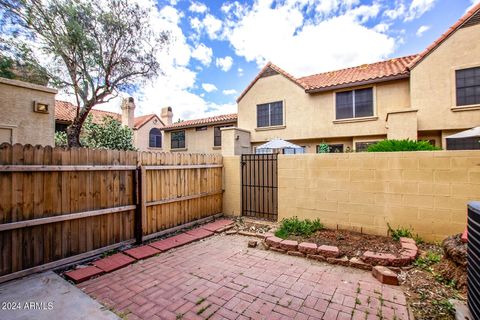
[
  {"x": 359, "y": 83},
  {"x": 199, "y": 125}
]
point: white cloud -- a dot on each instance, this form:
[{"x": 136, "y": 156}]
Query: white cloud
[
  {"x": 474, "y": 3},
  {"x": 397, "y": 12},
  {"x": 196, "y": 24},
  {"x": 229, "y": 92},
  {"x": 418, "y": 8},
  {"x": 203, "y": 54},
  {"x": 302, "y": 46},
  {"x": 212, "y": 26},
  {"x": 224, "y": 63},
  {"x": 382, "y": 27},
  {"x": 197, "y": 7},
  {"x": 240, "y": 72},
  {"x": 208, "y": 87},
  {"x": 422, "y": 30},
  {"x": 174, "y": 87}
]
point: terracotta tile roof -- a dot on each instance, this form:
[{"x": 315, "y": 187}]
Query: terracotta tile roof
[
  {"x": 367, "y": 73},
  {"x": 66, "y": 112},
  {"x": 141, "y": 120},
  {"x": 445, "y": 36},
  {"x": 224, "y": 118}
]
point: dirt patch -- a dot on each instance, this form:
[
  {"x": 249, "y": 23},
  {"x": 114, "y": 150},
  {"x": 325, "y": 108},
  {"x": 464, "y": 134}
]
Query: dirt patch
[
  {"x": 429, "y": 288},
  {"x": 351, "y": 243}
]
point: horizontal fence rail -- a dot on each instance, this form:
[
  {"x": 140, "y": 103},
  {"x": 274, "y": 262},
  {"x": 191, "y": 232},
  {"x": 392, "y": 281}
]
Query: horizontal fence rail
[{"x": 59, "y": 205}]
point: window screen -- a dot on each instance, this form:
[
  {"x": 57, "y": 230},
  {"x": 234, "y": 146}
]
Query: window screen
[
  {"x": 270, "y": 114},
  {"x": 178, "y": 139},
  {"x": 468, "y": 86},
  {"x": 354, "y": 103}
]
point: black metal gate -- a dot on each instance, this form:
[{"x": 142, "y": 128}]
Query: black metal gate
[{"x": 259, "y": 186}]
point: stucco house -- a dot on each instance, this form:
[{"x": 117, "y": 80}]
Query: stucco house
[
  {"x": 26, "y": 113},
  {"x": 199, "y": 135},
  {"x": 427, "y": 96},
  {"x": 147, "y": 129}
]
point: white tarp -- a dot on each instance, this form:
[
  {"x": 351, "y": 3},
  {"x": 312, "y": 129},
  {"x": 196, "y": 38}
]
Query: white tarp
[
  {"x": 470, "y": 133},
  {"x": 279, "y": 144}
]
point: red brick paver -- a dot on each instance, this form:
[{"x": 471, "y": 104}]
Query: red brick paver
[
  {"x": 199, "y": 233},
  {"x": 83, "y": 274},
  {"x": 113, "y": 262},
  {"x": 220, "y": 278},
  {"x": 142, "y": 252}
]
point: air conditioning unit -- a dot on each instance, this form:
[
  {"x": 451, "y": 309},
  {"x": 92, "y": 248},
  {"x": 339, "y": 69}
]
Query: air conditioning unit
[{"x": 474, "y": 258}]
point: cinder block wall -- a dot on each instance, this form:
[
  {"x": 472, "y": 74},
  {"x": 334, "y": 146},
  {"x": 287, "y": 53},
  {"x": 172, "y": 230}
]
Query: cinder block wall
[
  {"x": 18, "y": 121},
  {"x": 427, "y": 191}
]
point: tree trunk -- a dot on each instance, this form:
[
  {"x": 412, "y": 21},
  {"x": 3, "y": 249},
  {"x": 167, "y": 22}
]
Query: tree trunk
[{"x": 73, "y": 135}]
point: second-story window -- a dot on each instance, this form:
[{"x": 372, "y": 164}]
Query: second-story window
[
  {"x": 468, "y": 86},
  {"x": 155, "y": 138},
  {"x": 354, "y": 103},
  {"x": 178, "y": 139},
  {"x": 270, "y": 114}
]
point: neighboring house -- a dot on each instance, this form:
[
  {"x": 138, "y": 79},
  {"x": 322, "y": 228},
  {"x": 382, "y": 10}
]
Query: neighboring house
[
  {"x": 147, "y": 129},
  {"x": 26, "y": 113},
  {"x": 198, "y": 136},
  {"x": 426, "y": 97}
]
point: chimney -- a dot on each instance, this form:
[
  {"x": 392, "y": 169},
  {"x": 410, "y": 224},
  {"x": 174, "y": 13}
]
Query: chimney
[
  {"x": 167, "y": 115},
  {"x": 128, "y": 112}
]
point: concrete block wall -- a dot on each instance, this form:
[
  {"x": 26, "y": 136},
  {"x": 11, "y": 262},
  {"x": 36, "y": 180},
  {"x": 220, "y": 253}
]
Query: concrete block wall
[{"x": 427, "y": 191}]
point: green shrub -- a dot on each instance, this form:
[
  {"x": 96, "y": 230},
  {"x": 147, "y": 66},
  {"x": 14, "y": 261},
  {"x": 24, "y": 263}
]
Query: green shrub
[
  {"x": 294, "y": 226},
  {"x": 427, "y": 260},
  {"x": 399, "y": 232},
  {"x": 401, "y": 145},
  {"x": 323, "y": 148}
]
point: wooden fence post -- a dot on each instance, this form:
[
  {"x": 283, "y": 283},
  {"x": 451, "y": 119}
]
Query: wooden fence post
[{"x": 138, "y": 200}]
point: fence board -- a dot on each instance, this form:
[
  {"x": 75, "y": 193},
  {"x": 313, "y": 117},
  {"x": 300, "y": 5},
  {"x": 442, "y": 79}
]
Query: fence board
[{"x": 57, "y": 204}]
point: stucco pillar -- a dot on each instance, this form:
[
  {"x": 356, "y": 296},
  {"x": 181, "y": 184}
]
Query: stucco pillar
[
  {"x": 235, "y": 141},
  {"x": 402, "y": 125}
]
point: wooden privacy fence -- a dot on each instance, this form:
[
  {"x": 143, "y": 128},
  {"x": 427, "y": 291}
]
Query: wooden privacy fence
[{"x": 61, "y": 205}]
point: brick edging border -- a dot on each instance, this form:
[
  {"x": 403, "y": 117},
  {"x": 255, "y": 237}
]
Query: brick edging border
[{"x": 332, "y": 254}]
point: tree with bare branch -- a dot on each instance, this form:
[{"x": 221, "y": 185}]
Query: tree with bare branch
[{"x": 92, "y": 49}]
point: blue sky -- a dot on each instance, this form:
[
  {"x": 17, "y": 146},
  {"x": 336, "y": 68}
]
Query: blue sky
[{"x": 219, "y": 46}]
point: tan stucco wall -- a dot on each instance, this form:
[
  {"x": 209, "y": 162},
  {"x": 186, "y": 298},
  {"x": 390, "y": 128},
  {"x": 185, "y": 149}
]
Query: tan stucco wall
[
  {"x": 402, "y": 125},
  {"x": 196, "y": 141},
  {"x": 232, "y": 186},
  {"x": 311, "y": 116},
  {"x": 433, "y": 82},
  {"x": 18, "y": 122},
  {"x": 427, "y": 191},
  {"x": 235, "y": 141},
  {"x": 141, "y": 136}
]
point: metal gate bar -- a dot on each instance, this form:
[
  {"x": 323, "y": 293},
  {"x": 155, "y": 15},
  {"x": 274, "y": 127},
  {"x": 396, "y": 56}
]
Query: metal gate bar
[{"x": 259, "y": 186}]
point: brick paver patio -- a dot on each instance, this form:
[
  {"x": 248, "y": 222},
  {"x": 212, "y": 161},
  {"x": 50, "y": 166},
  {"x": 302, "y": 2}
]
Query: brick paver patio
[{"x": 220, "y": 278}]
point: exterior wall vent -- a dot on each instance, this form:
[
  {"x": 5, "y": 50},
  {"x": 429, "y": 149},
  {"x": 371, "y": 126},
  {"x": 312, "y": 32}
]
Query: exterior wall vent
[
  {"x": 474, "y": 20},
  {"x": 474, "y": 258}
]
